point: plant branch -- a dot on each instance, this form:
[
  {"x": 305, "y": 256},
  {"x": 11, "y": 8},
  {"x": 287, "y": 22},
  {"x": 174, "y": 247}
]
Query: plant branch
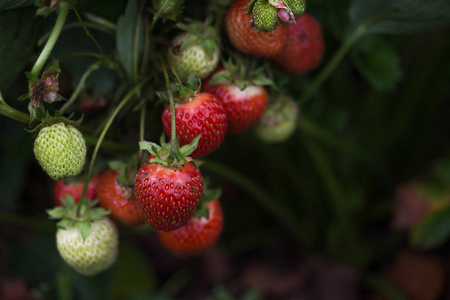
[
  {"x": 80, "y": 86},
  {"x": 333, "y": 63},
  {"x": 108, "y": 124},
  {"x": 173, "y": 137},
  {"x": 156, "y": 16},
  {"x": 12, "y": 113},
  {"x": 137, "y": 32},
  {"x": 88, "y": 33},
  {"x": 62, "y": 16}
]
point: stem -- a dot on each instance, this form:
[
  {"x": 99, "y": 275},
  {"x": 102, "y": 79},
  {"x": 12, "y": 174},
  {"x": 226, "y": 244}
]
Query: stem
[
  {"x": 12, "y": 113},
  {"x": 333, "y": 63},
  {"x": 156, "y": 16},
  {"x": 109, "y": 144},
  {"x": 142, "y": 129},
  {"x": 284, "y": 216},
  {"x": 124, "y": 101},
  {"x": 88, "y": 33},
  {"x": 62, "y": 16},
  {"x": 136, "y": 45},
  {"x": 78, "y": 54},
  {"x": 80, "y": 86},
  {"x": 173, "y": 133}
]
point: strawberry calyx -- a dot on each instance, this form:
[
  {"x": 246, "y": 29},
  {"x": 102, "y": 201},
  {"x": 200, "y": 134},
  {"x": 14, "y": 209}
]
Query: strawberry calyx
[
  {"x": 197, "y": 33},
  {"x": 182, "y": 93},
  {"x": 241, "y": 72},
  {"x": 69, "y": 217},
  {"x": 126, "y": 170},
  {"x": 169, "y": 155},
  {"x": 49, "y": 120}
]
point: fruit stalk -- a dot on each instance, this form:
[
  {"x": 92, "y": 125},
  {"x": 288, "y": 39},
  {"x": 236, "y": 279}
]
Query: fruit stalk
[
  {"x": 333, "y": 63},
  {"x": 80, "y": 86},
  {"x": 88, "y": 33},
  {"x": 12, "y": 113},
  {"x": 156, "y": 16},
  {"x": 62, "y": 16},
  {"x": 124, "y": 101},
  {"x": 173, "y": 134}
]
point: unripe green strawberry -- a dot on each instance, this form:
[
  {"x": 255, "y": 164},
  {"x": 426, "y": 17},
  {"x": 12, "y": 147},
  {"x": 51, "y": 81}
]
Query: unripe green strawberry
[
  {"x": 265, "y": 16},
  {"x": 60, "y": 149},
  {"x": 93, "y": 255},
  {"x": 278, "y": 122},
  {"x": 297, "y": 7}
]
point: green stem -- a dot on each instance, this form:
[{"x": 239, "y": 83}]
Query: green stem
[
  {"x": 284, "y": 216},
  {"x": 80, "y": 86},
  {"x": 156, "y": 16},
  {"x": 88, "y": 33},
  {"x": 142, "y": 129},
  {"x": 62, "y": 16},
  {"x": 109, "y": 144},
  {"x": 12, "y": 113},
  {"x": 173, "y": 137},
  {"x": 333, "y": 63},
  {"x": 102, "y": 23},
  {"x": 124, "y": 101},
  {"x": 78, "y": 54}
]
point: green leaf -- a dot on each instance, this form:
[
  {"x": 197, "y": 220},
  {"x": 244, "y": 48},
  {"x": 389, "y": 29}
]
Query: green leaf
[
  {"x": 85, "y": 228},
  {"x": 10, "y": 4},
  {"x": 126, "y": 27},
  {"x": 377, "y": 62},
  {"x": 432, "y": 231},
  {"x": 394, "y": 16}
]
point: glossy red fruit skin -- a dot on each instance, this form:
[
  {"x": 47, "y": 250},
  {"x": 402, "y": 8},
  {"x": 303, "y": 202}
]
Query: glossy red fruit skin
[
  {"x": 247, "y": 40},
  {"x": 113, "y": 197},
  {"x": 304, "y": 49},
  {"x": 74, "y": 189},
  {"x": 168, "y": 195},
  {"x": 197, "y": 235},
  {"x": 203, "y": 114},
  {"x": 244, "y": 108}
]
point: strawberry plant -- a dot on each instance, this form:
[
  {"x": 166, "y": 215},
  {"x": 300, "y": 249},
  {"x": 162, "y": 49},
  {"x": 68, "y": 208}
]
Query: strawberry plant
[{"x": 323, "y": 123}]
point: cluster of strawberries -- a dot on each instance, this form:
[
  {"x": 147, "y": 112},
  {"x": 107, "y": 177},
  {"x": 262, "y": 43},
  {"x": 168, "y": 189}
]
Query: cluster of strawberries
[{"x": 167, "y": 190}]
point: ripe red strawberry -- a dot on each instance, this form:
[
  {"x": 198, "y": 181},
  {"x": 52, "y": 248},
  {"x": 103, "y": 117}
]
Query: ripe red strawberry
[
  {"x": 168, "y": 186},
  {"x": 119, "y": 199},
  {"x": 248, "y": 39},
  {"x": 305, "y": 48},
  {"x": 197, "y": 235},
  {"x": 74, "y": 189},
  {"x": 244, "y": 107},
  {"x": 201, "y": 114}
]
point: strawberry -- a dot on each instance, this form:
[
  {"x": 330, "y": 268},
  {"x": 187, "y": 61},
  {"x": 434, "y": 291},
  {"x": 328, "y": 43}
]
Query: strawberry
[
  {"x": 86, "y": 239},
  {"x": 265, "y": 16},
  {"x": 169, "y": 186},
  {"x": 119, "y": 199},
  {"x": 244, "y": 99},
  {"x": 60, "y": 149},
  {"x": 74, "y": 189},
  {"x": 200, "y": 114},
  {"x": 196, "y": 51},
  {"x": 89, "y": 256},
  {"x": 304, "y": 49},
  {"x": 197, "y": 235},
  {"x": 278, "y": 122},
  {"x": 249, "y": 40}
]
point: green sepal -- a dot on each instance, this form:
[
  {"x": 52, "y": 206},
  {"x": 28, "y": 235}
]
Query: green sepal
[
  {"x": 98, "y": 213},
  {"x": 150, "y": 147},
  {"x": 189, "y": 148},
  {"x": 24, "y": 97},
  {"x": 68, "y": 201},
  {"x": 211, "y": 194},
  {"x": 221, "y": 77},
  {"x": 52, "y": 68},
  {"x": 65, "y": 223},
  {"x": 56, "y": 213},
  {"x": 32, "y": 78},
  {"x": 85, "y": 228},
  {"x": 249, "y": 6}
]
